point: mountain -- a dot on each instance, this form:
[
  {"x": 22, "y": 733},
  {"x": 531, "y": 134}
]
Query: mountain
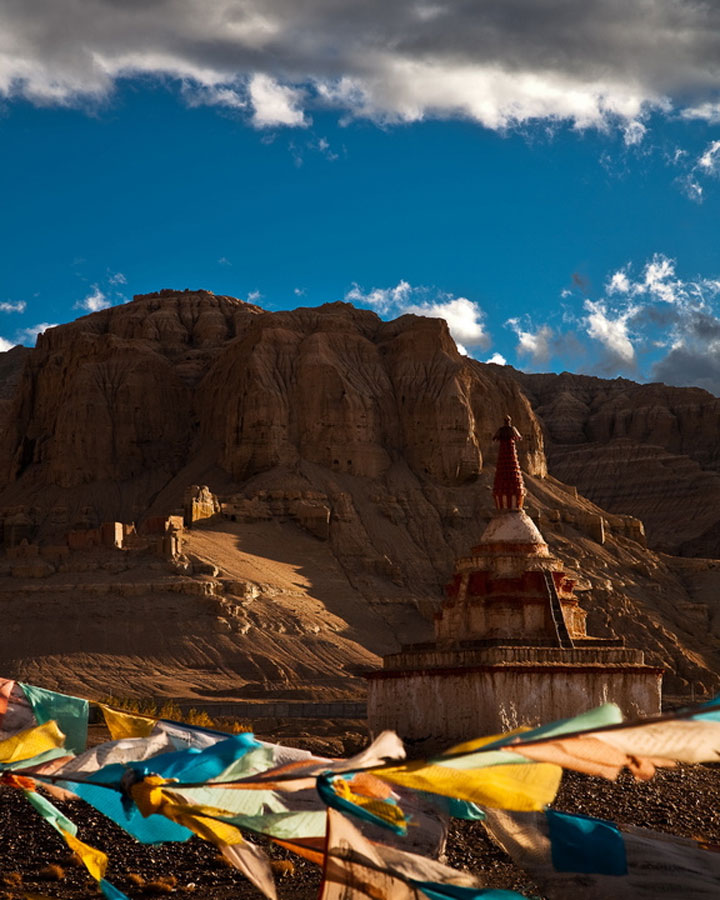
[{"x": 353, "y": 459}]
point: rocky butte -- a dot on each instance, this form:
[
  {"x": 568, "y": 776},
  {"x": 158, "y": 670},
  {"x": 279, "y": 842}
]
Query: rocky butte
[{"x": 204, "y": 500}]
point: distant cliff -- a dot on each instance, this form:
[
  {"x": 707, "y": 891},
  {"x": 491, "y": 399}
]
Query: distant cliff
[{"x": 646, "y": 449}]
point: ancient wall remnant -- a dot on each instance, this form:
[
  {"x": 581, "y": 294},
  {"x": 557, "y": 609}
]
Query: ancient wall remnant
[
  {"x": 310, "y": 509},
  {"x": 199, "y": 503}
]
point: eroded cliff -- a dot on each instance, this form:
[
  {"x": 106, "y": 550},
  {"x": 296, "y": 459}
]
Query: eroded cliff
[{"x": 371, "y": 440}]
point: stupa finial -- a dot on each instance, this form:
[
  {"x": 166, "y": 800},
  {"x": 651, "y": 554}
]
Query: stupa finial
[{"x": 509, "y": 487}]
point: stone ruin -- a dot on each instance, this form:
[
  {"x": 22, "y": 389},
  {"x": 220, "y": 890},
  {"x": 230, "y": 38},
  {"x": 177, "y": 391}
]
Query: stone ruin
[
  {"x": 199, "y": 503},
  {"x": 29, "y": 557}
]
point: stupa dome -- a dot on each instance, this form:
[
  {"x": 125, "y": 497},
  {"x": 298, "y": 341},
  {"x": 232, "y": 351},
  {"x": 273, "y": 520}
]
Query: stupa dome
[{"x": 512, "y": 528}]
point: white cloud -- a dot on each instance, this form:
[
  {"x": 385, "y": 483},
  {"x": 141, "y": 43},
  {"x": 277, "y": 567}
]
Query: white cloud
[
  {"x": 633, "y": 133},
  {"x": 660, "y": 279},
  {"x": 709, "y": 112},
  {"x": 611, "y": 330},
  {"x": 535, "y": 344},
  {"x": 382, "y": 299},
  {"x": 709, "y": 161},
  {"x": 275, "y": 104},
  {"x": 498, "y": 62},
  {"x": 463, "y": 316},
  {"x": 254, "y": 296},
  {"x": 498, "y": 359},
  {"x": 660, "y": 283},
  {"x": 224, "y": 261},
  {"x": 707, "y": 165},
  {"x": 8, "y": 307},
  {"x": 658, "y": 311},
  {"x": 215, "y": 95},
  {"x": 619, "y": 283},
  {"x": 410, "y": 90},
  {"x": 95, "y": 300},
  {"x": 5, "y": 345},
  {"x": 117, "y": 278},
  {"x": 299, "y": 292}
]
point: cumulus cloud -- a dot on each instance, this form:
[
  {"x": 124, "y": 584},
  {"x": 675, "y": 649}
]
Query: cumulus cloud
[
  {"x": 117, "y": 278},
  {"x": 611, "y": 330},
  {"x": 465, "y": 318},
  {"x": 651, "y": 322},
  {"x": 618, "y": 283},
  {"x": 659, "y": 325},
  {"x": 5, "y": 345},
  {"x": 535, "y": 344},
  {"x": 499, "y": 63},
  {"x": 497, "y": 359},
  {"x": 275, "y": 104},
  {"x": 8, "y": 307},
  {"x": 94, "y": 301}
]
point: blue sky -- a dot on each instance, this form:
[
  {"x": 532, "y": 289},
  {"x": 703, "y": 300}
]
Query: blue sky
[{"x": 559, "y": 209}]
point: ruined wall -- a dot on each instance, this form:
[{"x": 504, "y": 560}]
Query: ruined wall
[
  {"x": 449, "y": 705},
  {"x": 199, "y": 503}
]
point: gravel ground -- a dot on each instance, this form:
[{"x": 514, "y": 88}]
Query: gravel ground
[{"x": 34, "y": 859}]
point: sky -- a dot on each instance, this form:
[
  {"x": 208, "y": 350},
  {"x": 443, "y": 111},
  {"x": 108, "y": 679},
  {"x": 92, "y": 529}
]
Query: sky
[{"x": 543, "y": 174}]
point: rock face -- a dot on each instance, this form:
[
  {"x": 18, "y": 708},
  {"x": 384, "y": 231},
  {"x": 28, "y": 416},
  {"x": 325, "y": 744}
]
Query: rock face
[
  {"x": 649, "y": 450},
  {"x": 12, "y": 363},
  {"x": 109, "y": 396},
  {"x": 370, "y": 440},
  {"x": 338, "y": 387},
  {"x": 135, "y": 393}
]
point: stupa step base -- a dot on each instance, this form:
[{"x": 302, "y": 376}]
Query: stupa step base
[
  {"x": 450, "y": 705},
  {"x": 438, "y": 657}
]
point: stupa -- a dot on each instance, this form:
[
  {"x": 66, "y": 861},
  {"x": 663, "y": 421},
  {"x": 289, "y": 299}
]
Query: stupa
[{"x": 511, "y": 646}]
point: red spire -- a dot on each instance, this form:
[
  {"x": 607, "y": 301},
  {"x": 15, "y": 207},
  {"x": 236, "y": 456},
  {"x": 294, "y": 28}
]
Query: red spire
[{"x": 509, "y": 487}]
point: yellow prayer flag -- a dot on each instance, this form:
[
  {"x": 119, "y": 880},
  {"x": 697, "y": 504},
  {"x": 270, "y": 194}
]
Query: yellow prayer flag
[
  {"x": 95, "y": 861},
  {"x": 523, "y": 788},
  {"x": 151, "y": 797},
  {"x": 126, "y": 725},
  {"x": 31, "y": 742}
]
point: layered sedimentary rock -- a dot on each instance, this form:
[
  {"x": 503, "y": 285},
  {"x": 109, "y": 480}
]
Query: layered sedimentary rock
[
  {"x": 340, "y": 388},
  {"x": 372, "y": 439},
  {"x": 648, "y": 450}
]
